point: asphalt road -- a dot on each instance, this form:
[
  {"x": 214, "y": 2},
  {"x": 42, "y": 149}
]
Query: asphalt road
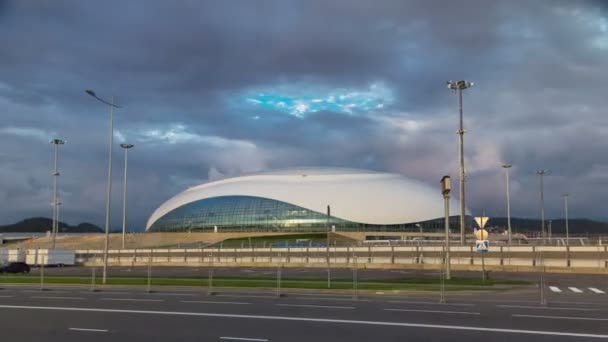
[{"x": 120, "y": 314}]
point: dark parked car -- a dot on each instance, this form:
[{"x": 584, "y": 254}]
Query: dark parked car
[{"x": 15, "y": 267}]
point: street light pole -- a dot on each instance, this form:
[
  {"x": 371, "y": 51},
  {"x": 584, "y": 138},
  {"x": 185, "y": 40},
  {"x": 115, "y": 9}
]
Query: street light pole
[
  {"x": 446, "y": 187},
  {"x": 327, "y": 248},
  {"x": 509, "y": 232},
  {"x": 566, "y": 208},
  {"x": 111, "y": 142},
  {"x": 126, "y": 147},
  {"x": 459, "y": 86},
  {"x": 55, "y": 228},
  {"x": 541, "y": 173}
]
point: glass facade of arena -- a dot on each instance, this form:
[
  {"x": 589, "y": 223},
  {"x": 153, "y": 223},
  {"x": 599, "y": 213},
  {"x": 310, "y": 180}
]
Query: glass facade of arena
[{"x": 248, "y": 213}]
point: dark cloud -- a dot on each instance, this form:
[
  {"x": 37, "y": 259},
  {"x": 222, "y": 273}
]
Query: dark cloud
[{"x": 183, "y": 73}]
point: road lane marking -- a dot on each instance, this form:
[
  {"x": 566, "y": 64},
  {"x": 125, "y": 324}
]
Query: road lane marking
[
  {"x": 91, "y": 330},
  {"x": 107, "y": 292},
  {"x": 245, "y": 296},
  {"x": 311, "y": 319},
  {"x": 428, "y": 303},
  {"x": 544, "y": 308},
  {"x": 563, "y": 317},
  {"x": 318, "y": 306},
  {"x": 575, "y": 290},
  {"x": 52, "y": 297},
  {"x": 174, "y": 294},
  {"x": 436, "y": 311},
  {"x": 330, "y": 298},
  {"x": 213, "y": 302},
  {"x": 596, "y": 290},
  {"x": 580, "y": 303},
  {"x": 134, "y": 299},
  {"x": 243, "y": 339},
  {"x": 7, "y": 296},
  {"x": 555, "y": 289},
  {"x": 38, "y": 291}
]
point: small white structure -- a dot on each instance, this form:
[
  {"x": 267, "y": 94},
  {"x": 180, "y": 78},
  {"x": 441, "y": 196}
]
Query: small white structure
[
  {"x": 50, "y": 257},
  {"x": 12, "y": 255}
]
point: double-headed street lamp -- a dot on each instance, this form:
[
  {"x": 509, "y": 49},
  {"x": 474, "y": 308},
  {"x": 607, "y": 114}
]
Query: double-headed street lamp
[
  {"x": 507, "y": 166},
  {"x": 126, "y": 147},
  {"x": 55, "y": 228},
  {"x": 459, "y": 86},
  {"x": 111, "y": 142},
  {"x": 541, "y": 174}
]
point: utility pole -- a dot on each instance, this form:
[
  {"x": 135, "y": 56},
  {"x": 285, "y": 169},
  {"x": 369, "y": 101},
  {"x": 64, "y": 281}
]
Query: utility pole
[
  {"x": 507, "y": 166},
  {"x": 446, "y": 187},
  {"x": 566, "y": 208},
  {"x": 541, "y": 173},
  {"x": 126, "y": 147},
  {"x": 55, "y": 228},
  {"x": 327, "y": 248},
  {"x": 459, "y": 86}
]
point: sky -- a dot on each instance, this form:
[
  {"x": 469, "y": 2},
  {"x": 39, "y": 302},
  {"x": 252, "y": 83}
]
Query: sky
[{"x": 210, "y": 89}]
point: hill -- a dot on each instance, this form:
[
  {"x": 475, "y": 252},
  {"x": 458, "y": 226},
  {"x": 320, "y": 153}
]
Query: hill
[
  {"x": 576, "y": 226},
  {"x": 43, "y": 224}
]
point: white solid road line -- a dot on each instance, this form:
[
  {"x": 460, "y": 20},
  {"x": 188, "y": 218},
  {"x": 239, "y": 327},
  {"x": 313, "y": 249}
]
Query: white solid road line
[
  {"x": 52, "y": 297},
  {"x": 7, "y": 296},
  {"x": 134, "y": 299},
  {"x": 213, "y": 302},
  {"x": 91, "y": 330},
  {"x": 436, "y": 311},
  {"x": 544, "y": 308},
  {"x": 555, "y": 289},
  {"x": 310, "y": 319},
  {"x": 243, "y": 339},
  {"x": 562, "y": 317},
  {"x": 575, "y": 290},
  {"x": 427, "y": 303},
  {"x": 596, "y": 290},
  {"x": 318, "y": 306}
]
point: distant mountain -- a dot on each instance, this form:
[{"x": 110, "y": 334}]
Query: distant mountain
[
  {"x": 43, "y": 224},
  {"x": 575, "y": 226}
]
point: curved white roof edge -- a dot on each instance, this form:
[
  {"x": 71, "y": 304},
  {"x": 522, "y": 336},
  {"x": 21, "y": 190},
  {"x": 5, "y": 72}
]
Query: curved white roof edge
[{"x": 368, "y": 197}]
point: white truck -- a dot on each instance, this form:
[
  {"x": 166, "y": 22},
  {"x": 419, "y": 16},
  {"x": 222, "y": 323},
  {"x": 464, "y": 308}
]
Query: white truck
[
  {"x": 11, "y": 255},
  {"x": 50, "y": 257}
]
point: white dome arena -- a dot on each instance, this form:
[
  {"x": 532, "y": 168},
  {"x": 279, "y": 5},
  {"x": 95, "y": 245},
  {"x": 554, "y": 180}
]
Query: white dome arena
[{"x": 297, "y": 199}]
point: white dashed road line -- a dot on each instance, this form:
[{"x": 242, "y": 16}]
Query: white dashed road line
[
  {"x": 134, "y": 299},
  {"x": 555, "y": 289},
  {"x": 428, "y": 303},
  {"x": 318, "y": 306},
  {"x": 436, "y": 311},
  {"x": 51, "y": 297},
  {"x": 563, "y": 317},
  {"x": 544, "y": 308},
  {"x": 213, "y": 302},
  {"x": 90, "y": 330},
  {"x": 243, "y": 339},
  {"x": 575, "y": 290},
  {"x": 598, "y": 291}
]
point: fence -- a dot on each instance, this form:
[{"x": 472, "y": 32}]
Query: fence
[{"x": 578, "y": 259}]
